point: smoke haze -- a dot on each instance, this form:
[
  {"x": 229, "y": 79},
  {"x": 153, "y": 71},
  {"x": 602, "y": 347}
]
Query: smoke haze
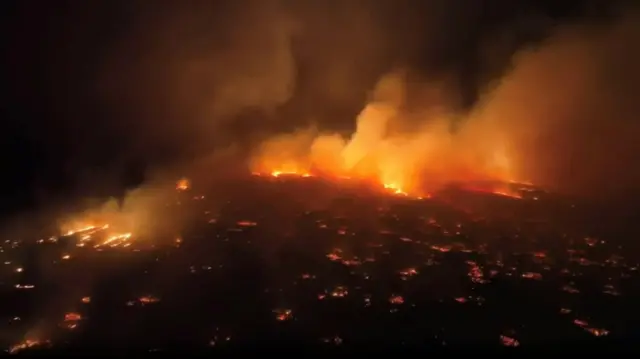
[{"x": 517, "y": 90}]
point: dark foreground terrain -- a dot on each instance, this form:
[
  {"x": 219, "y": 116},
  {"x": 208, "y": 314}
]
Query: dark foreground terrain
[{"x": 297, "y": 261}]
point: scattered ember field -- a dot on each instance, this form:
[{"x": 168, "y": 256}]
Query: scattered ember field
[{"x": 291, "y": 259}]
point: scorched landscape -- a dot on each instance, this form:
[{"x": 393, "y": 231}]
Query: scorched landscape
[{"x": 299, "y": 259}]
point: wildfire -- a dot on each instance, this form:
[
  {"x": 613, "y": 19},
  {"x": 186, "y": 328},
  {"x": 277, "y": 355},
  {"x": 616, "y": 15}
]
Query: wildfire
[
  {"x": 183, "y": 184},
  {"x": 403, "y": 160},
  {"x": 395, "y": 188},
  {"x": 115, "y": 240},
  {"x": 26, "y": 344},
  {"x": 389, "y": 187},
  {"x": 500, "y": 190},
  {"x": 85, "y": 230},
  {"x": 98, "y": 235},
  {"x": 289, "y": 173}
]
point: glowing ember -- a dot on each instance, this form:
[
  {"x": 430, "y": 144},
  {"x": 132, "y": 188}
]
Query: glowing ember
[
  {"x": 115, "y": 240},
  {"x": 85, "y": 230},
  {"x": 508, "y": 341},
  {"x": 396, "y": 299},
  {"x": 289, "y": 173},
  {"x": 28, "y": 343},
  {"x": 72, "y": 317},
  {"x": 395, "y": 189},
  {"x": 99, "y": 236},
  {"x": 148, "y": 300},
  {"x": 283, "y": 314},
  {"x": 183, "y": 184},
  {"x": 340, "y": 292},
  {"x": 388, "y": 187},
  {"x": 247, "y": 224}
]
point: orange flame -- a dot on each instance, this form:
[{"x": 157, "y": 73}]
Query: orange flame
[{"x": 410, "y": 162}]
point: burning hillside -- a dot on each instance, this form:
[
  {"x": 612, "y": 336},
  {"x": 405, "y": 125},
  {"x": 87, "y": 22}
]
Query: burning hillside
[
  {"x": 374, "y": 175},
  {"x": 325, "y": 260},
  {"x": 418, "y": 160}
]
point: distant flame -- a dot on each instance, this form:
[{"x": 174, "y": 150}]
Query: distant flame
[
  {"x": 183, "y": 184},
  {"x": 395, "y": 188},
  {"x": 290, "y": 173},
  {"x": 99, "y": 235},
  {"x": 406, "y": 161}
]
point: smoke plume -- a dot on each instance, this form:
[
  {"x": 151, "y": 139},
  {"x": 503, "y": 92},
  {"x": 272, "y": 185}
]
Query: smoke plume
[
  {"x": 412, "y": 91},
  {"x": 560, "y": 115}
]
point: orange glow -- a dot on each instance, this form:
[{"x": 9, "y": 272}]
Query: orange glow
[
  {"x": 72, "y": 317},
  {"x": 183, "y": 184},
  {"x": 395, "y": 188},
  {"x": 407, "y": 161},
  {"x": 289, "y": 173},
  {"x": 26, "y": 344},
  {"x": 96, "y": 235},
  {"x": 501, "y": 190}
]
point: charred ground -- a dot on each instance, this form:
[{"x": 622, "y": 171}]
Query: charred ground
[{"x": 306, "y": 261}]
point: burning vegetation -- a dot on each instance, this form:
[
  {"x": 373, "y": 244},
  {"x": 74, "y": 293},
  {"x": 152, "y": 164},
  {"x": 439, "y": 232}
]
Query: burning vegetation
[
  {"x": 375, "y": 253},
  {"x": 416, "y": 162},
  {"x": 432, "y": 206}
]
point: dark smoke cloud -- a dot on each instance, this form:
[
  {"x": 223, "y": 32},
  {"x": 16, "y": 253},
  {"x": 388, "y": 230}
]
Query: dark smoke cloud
[
  {"x": 103, "y": 84},
  {"x": 210, "y": 62},
  {"x": 244, "y": 67},
  {"x": 573, "y": 105}
]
